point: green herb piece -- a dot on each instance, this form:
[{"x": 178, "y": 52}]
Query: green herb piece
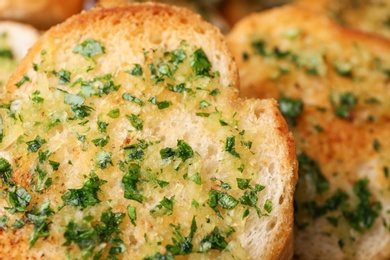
[
  {"x": 42, "y": 182},
  {"x": 162, "y": 183},
  {"x": 180, "y": 88},
  {"x": 308, "y": 166},
  {"x": 102, "y": 126},
  {"x": 213, "y": 241},
  {"x": 178, "y": 56},
  {"x": 114, "y": 113},
  {"x": 89, "y": 48},
  {"x": 268, "y": 205},
  {"x": 386, "y": 171},
  {"x": 107, "y": 88},
  {"x": 77, "y": 108},
  {"x": 164, "y": 104},
  {"x": 182, "y": 245},
  {"x": 165, "y": 207},
  {"x": 159, "y": 256},
  {"x": 215, "y": 92},
  {"x": 372, "y": 100},
  {"x": 333, "y": 203},
  {"x": 1, "y": 130},
  {"x": 34, "y": 145},
  {"x": 85, "y": 196},
  {"x": 135, "y": 121},
  {"x": 195, "y": 204},
  {"x": 165, "y": 70},
  {"x": 376, "y": 145},
  {"x": 200, "y": 64},
  {"x": 346, "y": 104},
  {"x": 5, "y": 171},
  {"x": 132, "y": 211},
  {"x": 135, "y": 152},
  {"x": 3, "y": 222},
  {"x": 196, "y": 178},
  {"x": 64, "y": 76},
  {"x": 203, "y": 114},
  {"x": 103, "y": 158},
  {"x": 221, "y": 199},
  {"x": 247, "y": 144},
  {"x": 19, "y": 223},
  {"x": 167, "y": 153},
  {"x": 39, "y": 217},
  {"x": 130, "y": 181},
  {"x": 259, "y": 47},
  {"x": 365, "y": 214},
  {"x": 291, "y": 109},
  {"x": 35, "y": 98},
  {"x": 230, "y": 146},
  {"x": 183, "y": 151},
  {"x": 43, "y": 155},
  {"x": 6, "y": 54},
  {"x": 54, "y": 165},
  {"x": 204, "y": 104},
  {"x": 101, "y": 141},
  {"x": 24, "y": 79},
  {"x": 136, "y": 70},
  {"x": 333, "y": 220},
  {"x": 18, "y": 199},
  {"x": 131, "y": 98},
  {"x": 342, "y": 68},
  {"x": 89, "y": 237},
  {"x": 243, "y": 184}
]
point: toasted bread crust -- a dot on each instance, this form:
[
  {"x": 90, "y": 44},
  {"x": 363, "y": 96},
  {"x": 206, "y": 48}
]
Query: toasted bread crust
[
  {"x": 346, "y": 148},
  {"x": 131, "y": 35}
]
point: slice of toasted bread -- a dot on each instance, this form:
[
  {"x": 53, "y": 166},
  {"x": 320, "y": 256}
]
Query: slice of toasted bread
[
  {"x": 15, "y": 39},
  {"x": 123, "y": 135},
  {"x": 39, "y": 13},
  {"x": 333, "y": 88},
  {"x": 371, "y": 16}
]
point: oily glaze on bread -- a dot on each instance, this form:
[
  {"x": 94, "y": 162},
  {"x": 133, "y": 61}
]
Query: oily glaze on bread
[
  {"x": 333, "y": 88},
  {"x": 125, "y": 127}
]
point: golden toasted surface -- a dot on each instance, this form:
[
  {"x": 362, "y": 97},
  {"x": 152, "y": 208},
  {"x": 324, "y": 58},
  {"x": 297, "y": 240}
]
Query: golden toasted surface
[
  {"x": 371, "y": 16},
  {"x": 333, "y": 87},
  {"x": 122, "y": 135}
]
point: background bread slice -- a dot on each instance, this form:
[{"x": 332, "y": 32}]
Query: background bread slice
[
  {"x": 15, "y": 39},
  {"x": 342, "y": 78},
  {"x": 229, "y": 138},
  {"x": 39, "y": 13},
  {"x": 370, "y": 16}
]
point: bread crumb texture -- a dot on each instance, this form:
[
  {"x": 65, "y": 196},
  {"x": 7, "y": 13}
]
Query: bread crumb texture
[
  {"x": 122, "y": 136},
  {"x": 332, "y": 85}
]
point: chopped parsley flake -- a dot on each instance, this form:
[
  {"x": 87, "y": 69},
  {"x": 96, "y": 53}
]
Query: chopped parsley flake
[
  {"x": 5, "y": 171},
  {"x": 291, "y": 109},
  {"x": 132, "y": 212},
  {"x": 182, "y": 245},
  {"x": 308, "y": 166},
  {"x": 24, "y": 79},
  {"x": 103, "y": 158},
  {"x": 135, "y": 121},
  {"x": 129, "y": 97},
  {"x": 136, "y": 70},
  {"x": 130, "y": 180},
  {"x": 213, "y": 241},
  {"x": 200, "y": 64},
  {"x": 89, "y": 48},
  {"x": 18, "y": 199},
  {"x": 221, "y": 199},
  {"x": 114, "y": 113},
  {"x": 230, "y": 146},
  {"x": 86, "y": 195},
  {"x": 165, "y": 207},
  {"x": 34, "y": 145},
  {"x": 39, "y": 217}
]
